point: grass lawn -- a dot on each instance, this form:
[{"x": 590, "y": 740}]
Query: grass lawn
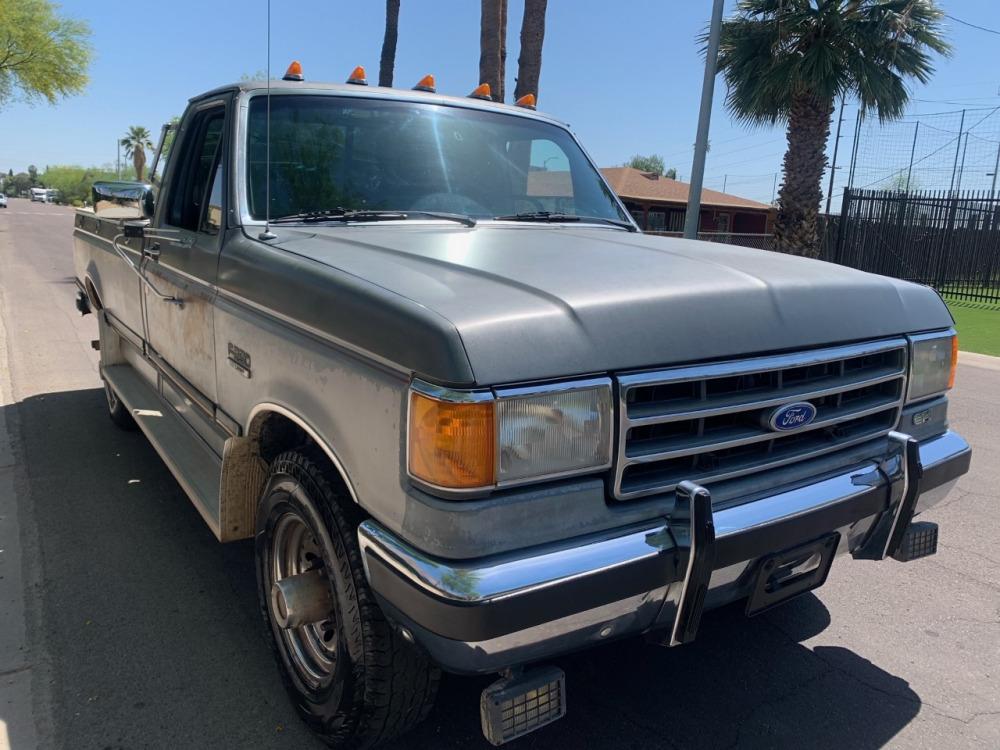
[{"x": 978, "y": 327}]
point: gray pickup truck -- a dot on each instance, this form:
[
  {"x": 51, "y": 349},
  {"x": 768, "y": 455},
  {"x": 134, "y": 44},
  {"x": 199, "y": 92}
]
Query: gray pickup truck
[{"x": 416, "y": 348}]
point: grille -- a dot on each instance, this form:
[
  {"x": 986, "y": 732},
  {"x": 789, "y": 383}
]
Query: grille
[{"x": 709, "y": 422}]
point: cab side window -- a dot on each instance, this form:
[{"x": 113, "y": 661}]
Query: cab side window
[{"x": 196, "y": 200}]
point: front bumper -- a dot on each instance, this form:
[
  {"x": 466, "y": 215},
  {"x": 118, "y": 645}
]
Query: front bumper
[{"x": 488, "y": 614}]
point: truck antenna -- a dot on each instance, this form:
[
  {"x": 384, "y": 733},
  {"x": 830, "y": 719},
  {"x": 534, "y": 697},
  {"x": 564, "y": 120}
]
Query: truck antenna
[{"x": 267, "y": 234}]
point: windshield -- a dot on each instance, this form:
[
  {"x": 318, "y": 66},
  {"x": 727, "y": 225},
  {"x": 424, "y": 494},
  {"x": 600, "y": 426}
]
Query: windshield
[{"x": 353, "y": 153}]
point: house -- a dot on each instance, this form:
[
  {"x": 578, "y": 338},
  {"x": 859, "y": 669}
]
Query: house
[{"x": 658, "y": 204}]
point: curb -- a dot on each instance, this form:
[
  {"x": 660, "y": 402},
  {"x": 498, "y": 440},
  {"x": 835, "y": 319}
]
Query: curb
[{"x": 983, "y": 361}]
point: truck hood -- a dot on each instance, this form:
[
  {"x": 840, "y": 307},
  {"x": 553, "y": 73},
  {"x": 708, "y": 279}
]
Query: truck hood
[{"x": 529, "y": 302}]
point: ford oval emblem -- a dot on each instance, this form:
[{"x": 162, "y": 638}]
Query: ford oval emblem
[{"x": 792, "y": 416}]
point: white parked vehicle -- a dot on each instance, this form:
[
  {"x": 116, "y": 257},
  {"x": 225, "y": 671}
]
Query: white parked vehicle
[{"x": 3, "y": 201}]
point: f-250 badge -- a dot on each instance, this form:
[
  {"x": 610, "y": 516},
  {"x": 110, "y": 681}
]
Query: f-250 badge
[{"x": 239, "y": 359}]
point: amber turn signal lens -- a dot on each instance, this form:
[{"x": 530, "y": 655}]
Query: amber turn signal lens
[
  {"x": 954, "y": 362},
  {"x": 452, "y": 444}
]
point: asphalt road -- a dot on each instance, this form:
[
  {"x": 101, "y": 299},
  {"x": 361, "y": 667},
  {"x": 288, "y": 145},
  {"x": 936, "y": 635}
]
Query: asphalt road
[{"x": 124, "y": 624}]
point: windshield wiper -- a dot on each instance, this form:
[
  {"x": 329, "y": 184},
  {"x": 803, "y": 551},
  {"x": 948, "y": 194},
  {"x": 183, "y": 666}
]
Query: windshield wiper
[
  {"x": 350, "y": 214},
  {"x": 551, "y": 216},
  {"x": 460, "y": 218},
  {"x": 338, "y": 214}
]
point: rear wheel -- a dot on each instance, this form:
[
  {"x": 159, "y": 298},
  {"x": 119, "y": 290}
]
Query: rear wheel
[
  {"x": 354, "y": 679},
  {"x": 117, "y": 410}
]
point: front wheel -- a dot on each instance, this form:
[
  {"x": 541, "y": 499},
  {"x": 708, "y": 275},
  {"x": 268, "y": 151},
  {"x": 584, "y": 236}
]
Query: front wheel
[{"x": 353, "y": 678}]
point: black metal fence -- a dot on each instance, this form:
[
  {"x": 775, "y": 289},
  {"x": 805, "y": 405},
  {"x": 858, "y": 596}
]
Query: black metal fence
[{"x": 947, "y": 240}]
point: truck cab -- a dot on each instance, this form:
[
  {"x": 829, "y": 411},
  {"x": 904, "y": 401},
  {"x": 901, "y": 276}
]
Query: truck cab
[{"x": 416, "y": 348}]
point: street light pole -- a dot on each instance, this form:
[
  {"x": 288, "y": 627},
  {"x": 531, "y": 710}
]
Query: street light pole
[{"x": 704, "y": 118}]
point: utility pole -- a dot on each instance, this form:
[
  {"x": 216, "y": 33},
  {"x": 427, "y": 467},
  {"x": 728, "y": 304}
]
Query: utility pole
[
  {"x": 691, "y": 218},
  {"x": 836, "y": 146},
  {"x": 958, "y": 149},
  {"x": 854, "y": 150},
  {"x": 774, "y": 187},
  {"x": 725, "y": 179},
  {"x": 961, "y": 169},
  {"x": 996, "y": 168},
  {"x": 913, "y": 150}
]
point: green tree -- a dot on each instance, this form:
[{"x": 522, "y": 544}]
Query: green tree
[
  {"x": 901, "y": 183},
  {"x": 136, "y": 142},
  {"x": 74, "y": 182},
  {"x": 33, "y": 175},
  {"x": 529, "y": 61},
  {"x": 21, "y": 183},
  {"x": 42, "y": 56},
  {"x": 388, "y": 61},
  {"x": 787, "y": 61},
  {"x": 653, "y": 163}
]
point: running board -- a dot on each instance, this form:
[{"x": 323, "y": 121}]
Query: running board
[{"x": 194, "y": 465}]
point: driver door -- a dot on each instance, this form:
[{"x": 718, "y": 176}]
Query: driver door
[{"x": 180, "y": 325}]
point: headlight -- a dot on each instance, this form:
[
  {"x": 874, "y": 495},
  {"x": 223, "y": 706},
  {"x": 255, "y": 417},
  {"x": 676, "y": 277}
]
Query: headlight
[
  {"x": 933, "y": 358},
  {"x": 477, "y": 440}
]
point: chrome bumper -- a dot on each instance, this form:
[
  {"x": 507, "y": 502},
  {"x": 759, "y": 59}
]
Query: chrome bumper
[{"x": 488, "y": 614}]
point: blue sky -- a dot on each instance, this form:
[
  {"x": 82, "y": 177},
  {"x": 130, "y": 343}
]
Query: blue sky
[{"x": 626, "y": 75}]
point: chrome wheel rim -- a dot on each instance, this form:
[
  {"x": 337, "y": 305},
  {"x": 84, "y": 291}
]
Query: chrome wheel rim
[{"x": 311, "y": 648}]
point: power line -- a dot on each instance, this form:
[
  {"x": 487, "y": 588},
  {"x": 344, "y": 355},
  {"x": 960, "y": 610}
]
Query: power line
[{"x": 972, "y": 25}]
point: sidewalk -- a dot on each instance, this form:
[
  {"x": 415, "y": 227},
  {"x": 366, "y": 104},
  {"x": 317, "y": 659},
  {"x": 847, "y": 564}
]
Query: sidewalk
[
  {"x": 17, "y": 723},
  {"x": 984, "y": 361}
]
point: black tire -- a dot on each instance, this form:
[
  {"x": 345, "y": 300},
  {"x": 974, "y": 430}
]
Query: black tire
[
  {"x": 380, "y": 684},
  {"x": 117, "y": 410}
]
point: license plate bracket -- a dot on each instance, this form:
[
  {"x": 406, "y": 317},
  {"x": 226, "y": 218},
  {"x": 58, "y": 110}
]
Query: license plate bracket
[{"x": 791, "y": 572}]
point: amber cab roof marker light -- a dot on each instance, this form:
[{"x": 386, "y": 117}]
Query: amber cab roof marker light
[
  {"x": 482, "y": 91},
  {"x": 294, "y": 72},
  {"x": 426, "y": 84},
  {"x": 527, "y": 101},
  {"x": 358, "y": 77}
]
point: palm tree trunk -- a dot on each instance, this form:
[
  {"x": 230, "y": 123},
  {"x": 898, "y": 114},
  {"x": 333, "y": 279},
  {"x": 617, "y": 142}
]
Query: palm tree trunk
[
  {"x": 139, "y": 162},
  {"x": 388, "y": 62},
  {"x": 529, "y": 63},
  {"x": 501, "y": 79},
  {"x": 492, "y": 44},
  {"x": 795, "y": 230}
]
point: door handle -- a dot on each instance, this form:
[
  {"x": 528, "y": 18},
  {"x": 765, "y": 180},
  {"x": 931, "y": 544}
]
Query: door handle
[{"x": 142, "y": 276}]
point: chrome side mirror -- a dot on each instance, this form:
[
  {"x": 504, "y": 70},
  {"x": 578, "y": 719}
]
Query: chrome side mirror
[{"x": 123, "y": 200}]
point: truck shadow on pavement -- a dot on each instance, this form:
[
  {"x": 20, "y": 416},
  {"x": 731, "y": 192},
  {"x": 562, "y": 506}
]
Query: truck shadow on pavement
[{"x": 146, "y": 632}]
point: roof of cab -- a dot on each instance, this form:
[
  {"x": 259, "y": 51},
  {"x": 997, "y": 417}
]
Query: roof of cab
[{"x": 379, "y": 92}]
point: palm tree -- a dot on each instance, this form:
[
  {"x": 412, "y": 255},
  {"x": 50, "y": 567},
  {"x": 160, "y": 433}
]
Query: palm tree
[
  {"x": 493, "y": 46},
  {"x": 529, "y": 62},
  {"x": 786, "y": 61},
  {"x": 388, "y": 61},
  {"x": 135, "y": 143}
]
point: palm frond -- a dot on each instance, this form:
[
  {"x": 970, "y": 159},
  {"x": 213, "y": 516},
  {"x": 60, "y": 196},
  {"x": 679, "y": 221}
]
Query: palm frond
[{"x": 774, "y": 50}]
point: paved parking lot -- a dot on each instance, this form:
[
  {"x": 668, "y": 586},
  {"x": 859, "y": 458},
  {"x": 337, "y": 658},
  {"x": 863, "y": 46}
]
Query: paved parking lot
[{"x": 140, "y": 630}]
